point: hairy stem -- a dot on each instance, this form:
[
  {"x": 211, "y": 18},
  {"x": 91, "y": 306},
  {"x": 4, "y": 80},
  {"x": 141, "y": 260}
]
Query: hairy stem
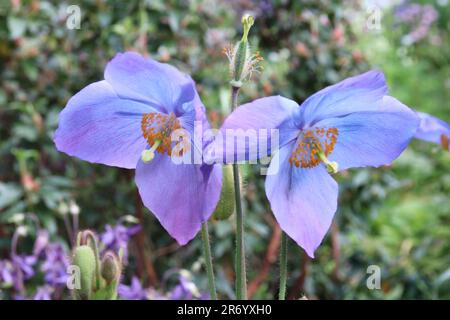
[
  {"x": 208, "y": 261},
  {"x": 283, "y": 266},
  {"x": 241, "y": 277}
]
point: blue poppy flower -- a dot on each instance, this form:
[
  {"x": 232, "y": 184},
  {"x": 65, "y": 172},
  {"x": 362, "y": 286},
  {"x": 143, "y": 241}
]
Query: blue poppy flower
[
  {"x": 127, "y": 120},
  {"x": 351, "y": 124}
]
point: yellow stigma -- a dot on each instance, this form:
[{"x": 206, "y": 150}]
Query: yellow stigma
[
  {"x": 332, "y": 166},
  {"x": 313, "y": 147},
  {"x": 149, "y": 154},
  {"x": 247, "y": 23}
]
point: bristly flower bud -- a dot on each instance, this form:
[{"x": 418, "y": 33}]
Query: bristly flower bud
[
  {"x": 110, "y": 269},
  {"x": 242, "y": 61},
  {"x": 84, "y": 259}
]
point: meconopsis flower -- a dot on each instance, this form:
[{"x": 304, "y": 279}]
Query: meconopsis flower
[
  {"x": 351, "y": 124},
  {"x": 130, "y": 120},
  {"x": 433, "y": 130}
]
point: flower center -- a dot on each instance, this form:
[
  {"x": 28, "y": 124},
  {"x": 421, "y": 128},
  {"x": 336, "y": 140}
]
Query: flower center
[
  {"x": 314, "y": 146},
  {"x": 157, "y": 129}
]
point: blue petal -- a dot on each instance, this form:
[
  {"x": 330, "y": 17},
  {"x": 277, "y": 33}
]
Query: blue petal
[
  {"x": 246, "y": 133},
  {"x": 355, "y": 94},
  {"x": 372, "y": 138},
  {"x": 181, "y": 196},
  {"x": 303, "y": 200},
  {"x": 432, "y": 129},
  {"x": 99, "y": 126},
  {"x": 161, "y": 85}
]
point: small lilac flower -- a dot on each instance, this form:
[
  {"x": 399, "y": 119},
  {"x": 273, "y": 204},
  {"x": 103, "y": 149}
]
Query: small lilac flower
[
  {"x": 433, "y": 130},
  {"x": 117, "y": 237},
  {"x": 19, "y": 269},
  {"x": 185, "y": 289},
  {"x": 6, "y": 272},
  {"x": 127, "y": 121},
  {"x": 24, "y": 264},
  {"x": 134, "y": 291},
  {"x": 350, "y": 124},
  {"x": 55, "y": 264},
  {"x": 44, "y": 293},
  {"x": 41, "y": 242}
]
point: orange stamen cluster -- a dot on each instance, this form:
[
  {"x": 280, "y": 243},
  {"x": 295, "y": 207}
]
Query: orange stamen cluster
[
  {"x": 157, "y": 127},
  {"x": 310, "y": 144}
]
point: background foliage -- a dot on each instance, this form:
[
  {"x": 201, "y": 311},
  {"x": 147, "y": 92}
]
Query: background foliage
[{"x": 396, "y": 218}]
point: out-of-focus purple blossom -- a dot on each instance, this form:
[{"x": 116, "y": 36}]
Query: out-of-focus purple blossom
[
  {"x": 55, "y": 264},
  {"x": 41, "y": 242},
  {"x": 44, "y": 293},
  {"x": 17, "y": 270},
  {"x": 418, "y": 17},
  {"x": 24, "y": 264},
  {"x": 6, "y": 272},
  {"x": 116, "y": 237},
  {"x": 265, "y": 7},
  {"x": 134, "y": 291},
  {"x": 186, "y": 289}
]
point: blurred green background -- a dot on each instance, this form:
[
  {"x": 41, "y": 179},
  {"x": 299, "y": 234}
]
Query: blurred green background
[{"x": 395, "y": 217}]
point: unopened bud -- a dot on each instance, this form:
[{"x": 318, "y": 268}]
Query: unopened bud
[
  {"x": 110, "y": 269},
  {"x": 84, "y": 259},
  {"x": 225, "y": 207},
  {"x": 242, "y": 62}
]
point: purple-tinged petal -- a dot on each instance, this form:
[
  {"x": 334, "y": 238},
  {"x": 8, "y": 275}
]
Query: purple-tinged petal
[
  {"x": 44, "y": 293},
  {"x": 433, "y": 130},
  {"x": 98, "y": 126},
  {"x": 303, "y": 200},
  {"x": 372, "y": 138},
  {"x": 181, "y": 196},
  {"x": 354, "y": 94},
  {"x": 161, "y": 85},
  {"x": 246, "y": 133}
]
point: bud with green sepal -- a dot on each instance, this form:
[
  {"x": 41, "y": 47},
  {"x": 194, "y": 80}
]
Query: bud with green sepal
[
  {"x": 99, "y": 279},
  {"x": 111, "y": 270},
  {"x": 226, "y": 206},
  {"x": 84, "y": 259},
  {"x": 242, "y": 61}
]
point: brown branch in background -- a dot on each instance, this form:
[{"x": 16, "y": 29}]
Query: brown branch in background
[
  {"x": 335, "y": 249},
  {"x": 299, "y": 285},
  {"x": 144, "y": 256},
  {"x": 163, "y": 251},
  {"x": 269, "y": 259}
]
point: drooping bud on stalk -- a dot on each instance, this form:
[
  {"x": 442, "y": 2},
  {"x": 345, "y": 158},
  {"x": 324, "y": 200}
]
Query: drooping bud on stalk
[
  {"x": 242, "y": 61},
  {"x": 225, "y": 207}
]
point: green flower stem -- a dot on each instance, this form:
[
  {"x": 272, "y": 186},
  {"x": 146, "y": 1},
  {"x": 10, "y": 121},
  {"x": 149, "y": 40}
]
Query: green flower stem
[
  {"x": 208, "y": 261},
  {"x": 241, "y": 277},
  {"x": 283, "y": 266}
]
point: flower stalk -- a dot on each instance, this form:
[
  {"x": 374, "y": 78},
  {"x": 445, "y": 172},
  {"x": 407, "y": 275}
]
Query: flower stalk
[
  {"x": 283, "y": 266},
  {"x": 241, "y": 276},
  {"x": 208, "y": 261}
]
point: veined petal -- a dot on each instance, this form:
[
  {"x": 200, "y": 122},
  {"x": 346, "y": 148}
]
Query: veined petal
[
  {"x": 161, "y": 85},
  {"x": 181, "y": 196},
  {"x": 303, "y": 200},
  {"x": 355, "y": 94},
  {"x": 372, "y": 138},
  {"x": 432, "y": 129},
  {"x": 247, "y": 135},
  {"x": 99, "y": 126}
]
